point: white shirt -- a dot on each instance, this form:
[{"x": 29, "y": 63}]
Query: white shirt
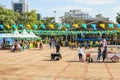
[{"x": 80, "y": 51}]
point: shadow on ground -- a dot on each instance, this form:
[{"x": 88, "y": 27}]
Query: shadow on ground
[{"x": 92, "y": 62}]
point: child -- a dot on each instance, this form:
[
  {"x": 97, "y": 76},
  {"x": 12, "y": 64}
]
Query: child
[{"x": 80, "y": 53}]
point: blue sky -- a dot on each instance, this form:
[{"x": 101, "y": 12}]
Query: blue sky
[{"x": 108, "y": 8}]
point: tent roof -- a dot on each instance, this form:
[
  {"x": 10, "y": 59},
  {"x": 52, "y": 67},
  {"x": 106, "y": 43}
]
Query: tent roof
[{"x": 25, "y": 34}]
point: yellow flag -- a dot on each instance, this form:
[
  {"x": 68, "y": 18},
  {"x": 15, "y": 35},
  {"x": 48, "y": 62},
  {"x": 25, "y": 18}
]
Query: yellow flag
[
  {"x": 51, "y": 26},
  {"x": 28, "y": 26},
  {"x": 75, "y": 25},
  {"x": 102, "y": 25},
  {"x": 8, "y": 26}
]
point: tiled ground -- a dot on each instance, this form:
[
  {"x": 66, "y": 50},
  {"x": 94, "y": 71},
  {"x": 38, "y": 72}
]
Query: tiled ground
[{"x": 36, "y": 65}]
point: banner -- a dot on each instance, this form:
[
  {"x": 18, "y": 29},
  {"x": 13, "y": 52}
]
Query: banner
[
  {"x": 21, "y": 26},
  {"x": 59, "y": 24},
  {"x": 14, "y": 26},
  {"x": 43, "y": 26},
  {"x": 35, "y": 26},
  {"x": 84, "y": 26},
  {"x": 102, "y": 25},
  {"x": 51, "y": 26},
  {"x": 94, "y": 26},
  {"x": 110, "y": 25},
  {"x": 28, "y": 26},
  {"x": 75, "y": 25},
  {"x": 1, "y": 26},
  {"x": 119, "y": 26},
  {"x": 8, "y": 26},
  {"x": 67, "y": 25}
]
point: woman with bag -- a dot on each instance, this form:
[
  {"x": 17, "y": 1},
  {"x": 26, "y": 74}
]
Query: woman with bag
[{"x": 104, "y": 53}]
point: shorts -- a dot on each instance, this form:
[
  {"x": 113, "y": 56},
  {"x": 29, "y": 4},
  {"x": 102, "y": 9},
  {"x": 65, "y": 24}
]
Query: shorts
[{"x": 80, "y": 56}]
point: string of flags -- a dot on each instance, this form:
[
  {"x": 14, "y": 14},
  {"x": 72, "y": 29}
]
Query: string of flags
[
  {"x": 47, "y": 32},
  {"x": 59, "y": 25}
]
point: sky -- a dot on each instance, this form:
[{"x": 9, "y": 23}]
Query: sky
[{"x": 108, "y": 8}]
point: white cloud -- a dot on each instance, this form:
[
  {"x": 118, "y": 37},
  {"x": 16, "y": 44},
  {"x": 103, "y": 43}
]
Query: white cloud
[{"x": 96, "y": 2}]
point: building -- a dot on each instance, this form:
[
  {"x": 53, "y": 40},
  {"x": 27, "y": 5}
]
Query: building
[
  {"x": 77, "y": 13},
  {"x": 21, "y": 6}
]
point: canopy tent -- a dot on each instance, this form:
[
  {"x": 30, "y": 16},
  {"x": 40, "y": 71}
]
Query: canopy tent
[
  {"x": 15, "y": 34},
  {"x": 33, "y": 35},
  {"x": 25, "y": 34},
  {"x": 8, "y": 35}
]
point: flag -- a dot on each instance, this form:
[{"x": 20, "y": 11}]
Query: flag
[
  {"x": 43, "y": 26},
  {"x": 28, "y": 26},
  {"x": 1, "y": 26},
  {"x": 14, "y": 26},
  {"x": 94, "y": 26},
  {"x": 21, "y": 26},
  {"x": 67, "y": 25},
  {"x": 84, "y": 26},
  {"x": 51, "y": 26},
  {"x": 35, "y": 26},
  {"x": 110, "y": 25},
  {"x": 119, "y": 26},
  {"x": 102, "y": 25},
  {"x": 8, "y": 26},
  {"x": 75, "y": 25},
  {"x": 59, "y": 24}
]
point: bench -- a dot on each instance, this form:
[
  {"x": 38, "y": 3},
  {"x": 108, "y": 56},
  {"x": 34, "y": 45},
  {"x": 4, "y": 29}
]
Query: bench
[{"x": 56, "y": 56}]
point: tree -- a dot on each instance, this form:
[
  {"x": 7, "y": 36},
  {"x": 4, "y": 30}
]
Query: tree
[
  {"x": 49, "y": 20},
  {"x": 71, "y": 20},
  {"x": 8, "y": 17},
  {"x": 118, "y": 18}
]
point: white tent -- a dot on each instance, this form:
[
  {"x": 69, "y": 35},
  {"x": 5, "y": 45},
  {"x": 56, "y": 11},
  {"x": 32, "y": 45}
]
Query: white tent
[
  {"x": 16, "y": 34},
  {"x": 25, "y": 34},
  {"x": 33, "y": 35},
  {"x": 5, "y": 35}
]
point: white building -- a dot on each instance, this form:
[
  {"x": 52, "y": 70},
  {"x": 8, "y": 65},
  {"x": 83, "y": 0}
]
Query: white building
[
  {"x": 77, "y": 13},
  {"x": 21, "y": 6}
]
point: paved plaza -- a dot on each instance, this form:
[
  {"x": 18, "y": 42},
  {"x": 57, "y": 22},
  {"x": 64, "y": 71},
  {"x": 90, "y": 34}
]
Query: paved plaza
[{"x": 36, "y": 65}]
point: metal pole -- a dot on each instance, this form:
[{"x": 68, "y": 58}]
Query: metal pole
[
  {"x": 66, "y": 35},
  {"x": 55, "y": 14}
]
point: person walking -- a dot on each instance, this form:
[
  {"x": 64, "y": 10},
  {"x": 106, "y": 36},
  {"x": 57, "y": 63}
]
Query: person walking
[
  {"x": 57, "y": 47},
  {"x": 104, "y": 53},
  {"x": 99, "y": 53},
  {"x": 80, "y": 53},
  {"x": 50, "y": 44}
]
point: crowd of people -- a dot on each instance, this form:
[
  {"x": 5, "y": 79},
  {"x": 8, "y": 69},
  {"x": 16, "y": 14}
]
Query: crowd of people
[
  {"x": 20, "y": 45},
  {"x": 102, "y": 51}
]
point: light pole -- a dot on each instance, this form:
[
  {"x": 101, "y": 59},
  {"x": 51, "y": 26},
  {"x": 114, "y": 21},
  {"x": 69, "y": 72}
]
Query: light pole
[
  {"x": 55, "y": 15},
  {"x": 66, "y": 34}
]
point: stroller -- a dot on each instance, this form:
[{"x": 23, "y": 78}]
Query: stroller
[{"x": 88, "y": 58}]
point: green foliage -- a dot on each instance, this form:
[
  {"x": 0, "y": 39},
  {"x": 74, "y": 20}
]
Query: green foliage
[
  {"x": 9, "y": 17},
  {"x": 118, "y": 18},
  {"x": 71, "y": 20}
]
